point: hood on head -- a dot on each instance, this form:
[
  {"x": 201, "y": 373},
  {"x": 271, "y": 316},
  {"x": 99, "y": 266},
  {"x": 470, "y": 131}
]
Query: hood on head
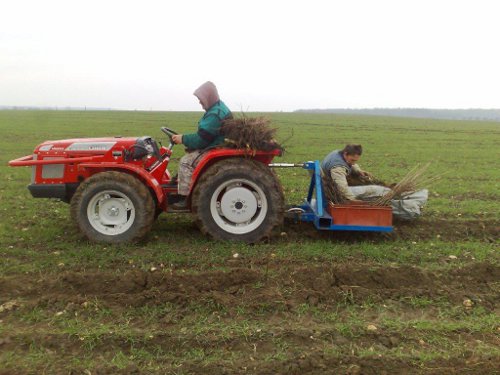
[{"x": 207, "y": 94}]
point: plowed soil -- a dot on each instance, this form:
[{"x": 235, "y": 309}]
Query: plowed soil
[
  {"x": 324, "y": 284},
  {"x": 449, "y": 229},
  {"x": 270, "y": 295}
]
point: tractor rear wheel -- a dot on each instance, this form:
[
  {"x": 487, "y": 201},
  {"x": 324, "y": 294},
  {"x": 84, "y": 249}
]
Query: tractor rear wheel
[
  {"x": 238, "y": 200},
  {"x": 113, "y": 207}
]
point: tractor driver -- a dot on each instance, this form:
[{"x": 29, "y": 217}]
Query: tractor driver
[
  {"x": 208, "y": 135},
  {"x": 341, "y": 165}
]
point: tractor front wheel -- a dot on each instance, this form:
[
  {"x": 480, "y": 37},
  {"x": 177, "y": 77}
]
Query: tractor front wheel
[
  {"x": 113, "y": 207},
  {"x": 238, "y": 200}
]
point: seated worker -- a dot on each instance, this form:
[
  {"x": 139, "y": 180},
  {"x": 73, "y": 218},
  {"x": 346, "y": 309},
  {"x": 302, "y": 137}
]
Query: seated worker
[
  {"x": 208, "y": 135},
  {"x": 341, "y": 165}
]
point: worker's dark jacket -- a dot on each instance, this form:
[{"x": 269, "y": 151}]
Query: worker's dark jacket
[
  {"x": 208, "y": 133},
  {"x": 335, "y": 159}
]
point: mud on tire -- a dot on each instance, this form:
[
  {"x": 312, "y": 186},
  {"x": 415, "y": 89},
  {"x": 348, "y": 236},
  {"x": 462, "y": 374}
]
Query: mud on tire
[
  {"x": 113, "y": 207},
  {"x": 238, "y": 200}
]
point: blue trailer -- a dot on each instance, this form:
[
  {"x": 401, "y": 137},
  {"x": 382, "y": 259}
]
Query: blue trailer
[{"x": 353, "y": 217}]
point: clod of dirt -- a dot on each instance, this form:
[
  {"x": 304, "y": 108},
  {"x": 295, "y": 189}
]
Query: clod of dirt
[
  {"x": 468, "y": 303},
  {"x": 5, "y": 340},
  {"x": 8, "y": 306},
  {"x": 354, "y": 370}
]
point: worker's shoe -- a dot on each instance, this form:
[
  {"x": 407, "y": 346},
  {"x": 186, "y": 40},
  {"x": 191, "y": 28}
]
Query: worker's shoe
[{"x": 181, "y": 204}]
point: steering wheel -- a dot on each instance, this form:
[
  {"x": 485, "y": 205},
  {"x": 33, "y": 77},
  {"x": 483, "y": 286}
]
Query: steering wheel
[{"x": 169, "y": 132}]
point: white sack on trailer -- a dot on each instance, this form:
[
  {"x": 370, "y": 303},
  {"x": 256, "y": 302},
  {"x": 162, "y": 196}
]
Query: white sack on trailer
[{"x": 407, "y": 208}]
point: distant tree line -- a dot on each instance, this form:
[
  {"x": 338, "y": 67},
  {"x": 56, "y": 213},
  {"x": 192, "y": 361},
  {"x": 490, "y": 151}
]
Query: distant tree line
[{"x": 448, "y": 114}]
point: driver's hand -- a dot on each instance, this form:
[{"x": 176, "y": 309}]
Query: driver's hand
[{"x": 177, "y": 138}]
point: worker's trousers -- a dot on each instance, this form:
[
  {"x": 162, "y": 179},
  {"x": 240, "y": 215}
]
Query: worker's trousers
[{"x": 186, "y": 167}]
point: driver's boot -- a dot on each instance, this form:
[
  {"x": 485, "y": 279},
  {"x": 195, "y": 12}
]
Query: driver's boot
[{"x": 181, "y": 204}]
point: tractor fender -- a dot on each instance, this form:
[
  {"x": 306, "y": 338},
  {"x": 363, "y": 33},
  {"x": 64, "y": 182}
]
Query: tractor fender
[
  {"x": 213, "y": 156},
  {"x": 140, "y": 173}
]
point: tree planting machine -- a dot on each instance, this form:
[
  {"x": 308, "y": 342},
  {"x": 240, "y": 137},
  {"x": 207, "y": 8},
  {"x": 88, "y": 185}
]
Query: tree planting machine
[{"x": 117, "y": 186}]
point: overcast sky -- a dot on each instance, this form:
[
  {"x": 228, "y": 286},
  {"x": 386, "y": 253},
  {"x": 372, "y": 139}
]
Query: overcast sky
[{"x": 263, "y": 55}]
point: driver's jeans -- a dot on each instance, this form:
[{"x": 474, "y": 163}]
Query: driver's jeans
[{"x": 186, "y": 167}]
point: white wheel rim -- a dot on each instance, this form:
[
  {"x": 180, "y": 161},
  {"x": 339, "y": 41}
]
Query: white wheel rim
[
  {"x": 238, "y": 206},
  {"x": 111, "y": 212}
]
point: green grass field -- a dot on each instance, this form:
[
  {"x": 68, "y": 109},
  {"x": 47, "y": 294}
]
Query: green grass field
[{"x": 424, "y": 299}]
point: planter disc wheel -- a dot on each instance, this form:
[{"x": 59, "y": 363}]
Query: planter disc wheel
[
  {"x": 113, "y": 207},
  {"x": 239, "y": 200}
]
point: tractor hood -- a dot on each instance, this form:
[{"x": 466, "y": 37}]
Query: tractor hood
[{"x": 86, "y": 146}]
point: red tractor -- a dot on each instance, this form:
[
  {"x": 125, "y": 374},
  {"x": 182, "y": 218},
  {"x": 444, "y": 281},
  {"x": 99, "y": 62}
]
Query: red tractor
[{"x": 118, "y": 186}]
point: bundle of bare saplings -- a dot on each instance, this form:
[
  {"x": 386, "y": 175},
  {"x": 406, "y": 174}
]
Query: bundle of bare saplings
[
  {"x": 412, "y": 182},
  {"x": 251, "y": 133},
  {"x": 330, "y": 190}
]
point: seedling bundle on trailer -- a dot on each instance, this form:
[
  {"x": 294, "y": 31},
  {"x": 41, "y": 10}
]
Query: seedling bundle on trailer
[{"x": 117, "y": 186}]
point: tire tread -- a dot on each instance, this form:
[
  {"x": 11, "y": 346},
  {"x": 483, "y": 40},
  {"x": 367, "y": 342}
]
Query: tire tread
[
  {"x": 145, "y": 213},
  {"x": 259, "y": 170}
]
